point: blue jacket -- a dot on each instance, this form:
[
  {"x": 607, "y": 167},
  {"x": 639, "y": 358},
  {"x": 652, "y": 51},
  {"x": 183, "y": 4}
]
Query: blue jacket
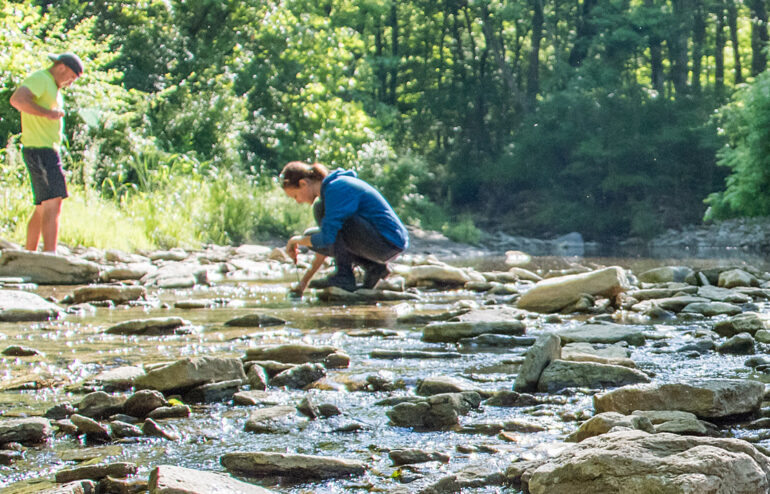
[{"x": 345, "y": 195}]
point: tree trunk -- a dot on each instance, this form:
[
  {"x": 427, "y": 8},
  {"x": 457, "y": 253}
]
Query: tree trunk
[
  {"x": 393, "y": 21},
  {"x": 719, "y": 49},
  {"x": 698, "y": 39},
  {"x": 584, "y": 33},
  {"x": 533, "y": 72},
  {"x": 656, "y": 58},
  {"x": 758, "y": 36},
  {"x": 677, "y": 45},
  {"x": 732, "y": 18}
]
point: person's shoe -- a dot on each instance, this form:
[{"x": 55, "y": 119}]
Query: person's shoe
[
  {"x": 344, "y": 282},
  {"x": 374, "y": 274}
]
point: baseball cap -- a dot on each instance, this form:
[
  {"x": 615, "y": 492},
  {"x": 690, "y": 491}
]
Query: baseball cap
[{"x": 70, "y": 60}]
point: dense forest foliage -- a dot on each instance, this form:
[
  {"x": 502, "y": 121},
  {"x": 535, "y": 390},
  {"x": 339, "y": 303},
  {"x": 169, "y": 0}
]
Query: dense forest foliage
[{"x": 537, "y": 117}]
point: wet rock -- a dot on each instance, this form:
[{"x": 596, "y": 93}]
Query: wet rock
[
  {"x": 255, "y": 320},
  {"x": 96, "y": 472},
  {"x": 93, "y": 430},
  {"x": 710, "y": 309},
  {"x": 337, "y": 360},
  {"x": 706, "y": 398},
  {"x": 740, "y": 344},
  {"x": 300, "y": 376},
  {"x": 562, "y": 374},
  {"x": 426, "y": 318},
  {"x": 673, "y": 304},
  {"x": 128, "y": 271},
  {"x": 47, "y": 269},
  {"x": 604, "y": 422},
  {"x": 201, "y": 303},
  {"x": 152, "y": 326},
  {"x": 747, "y": 322},
  {"x": 117, "y": 379},
  {"x": 109, "y": 485},
  {"x": 20, "y": 351},
  {"x": 121, "y": 429},
  {"x": 736, "y": 277},
  {"x": 190, "y": 372},
  {"x": 473, "y": 476},
  {"x": 334, "y": 294},
  {"x": 297, "y": 466},
  {"x": 551, "y": 295},
  {"x": 274, "y": 420},
  {"x": 172, "y": 412},
  {"x": 546, "y": 349},
  {"x": 450, "y": 332},
  {"x": 585, "y": 352},
  {"x": 100, "y": 404},
  {"x": 635, "y": 461},
  {"x": 441, "y": 384},
  {"x": 144, "y": 401},
  {"x": 412, "y": 456},
  {"x": 412, "y": 354},
  {"x": 60, "y": 411},
  {"x": 271, "y": 367},
  {"x": 701, "y": 346},
  {"x": 169, "y": 479},
  {"x": 78, "y": 487},
  {"x": 214, "y": 392},
  {"x": 666, "y": 274},
  {"x": 511, "y": 399},
  {"x": 670, "y": 290},
  {"x": 602, "y": 333},
  {"x": 17, "y": 306},
  {"x": 497, "y": 340},
  {"x": 153, "y": 429},
  {"x": 435, "y": 412},
  {"x": 676, "y": 422},
  {"x": 119, "y": 294},
  {"x": 8, "y": 458},
  {"x": 30, "y": 431},
  {"x": 251, "y": 398},
  {"x": 290, "y": 354},
  {"x": 441, "y": 274},
  {"x": 257, "y": 377},
  {"x": 173, "y": 275},
  {"x": 723, "y": 295}
]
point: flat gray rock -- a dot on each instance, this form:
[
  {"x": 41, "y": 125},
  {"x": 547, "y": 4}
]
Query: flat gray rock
[
  {"x": 47, "y": 269},
  {"x": 170, "y": 479},
  {"x": 16, "y": 305}
]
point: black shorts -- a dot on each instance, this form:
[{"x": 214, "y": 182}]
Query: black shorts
[{"x": 45, "y": 173}]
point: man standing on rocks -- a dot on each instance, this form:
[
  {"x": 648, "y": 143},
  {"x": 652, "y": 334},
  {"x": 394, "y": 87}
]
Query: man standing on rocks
[{"x": 42, "y": 123}]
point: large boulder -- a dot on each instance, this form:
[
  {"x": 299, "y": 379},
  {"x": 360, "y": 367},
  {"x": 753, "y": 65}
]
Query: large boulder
[
  {"x": 47, "y": 269},
  {"x": 708, "y": 399},
  {"x": 16, "y": 305},
  {"x": 190, "y": 372},
  {"x": 435, "y": 412},
  {"x": 635, "y": 462},
  {"x": 553, "y": 294}
]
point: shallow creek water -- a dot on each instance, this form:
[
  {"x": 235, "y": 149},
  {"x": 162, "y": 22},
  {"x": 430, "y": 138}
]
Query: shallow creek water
[{"x": 75, "y": 347}]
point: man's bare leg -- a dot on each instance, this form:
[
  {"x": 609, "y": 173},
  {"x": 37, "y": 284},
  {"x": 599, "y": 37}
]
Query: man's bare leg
[
  {"x": 34, "y": 228},
  {"x": 50, "y": 223}
]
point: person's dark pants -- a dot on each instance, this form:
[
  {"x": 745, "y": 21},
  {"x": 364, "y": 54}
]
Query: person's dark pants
[
  {"x": 359, "y": 243},
  {"x": 45, "y": 173}
]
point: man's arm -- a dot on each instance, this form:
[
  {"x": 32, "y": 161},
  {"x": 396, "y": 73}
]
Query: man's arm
[{"x": 24, "y": 100}]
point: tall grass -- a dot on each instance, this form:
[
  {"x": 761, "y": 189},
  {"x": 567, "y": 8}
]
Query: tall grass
[{"x": 186, "y": 211}]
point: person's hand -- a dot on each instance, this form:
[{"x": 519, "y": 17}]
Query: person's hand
[
  {"x": 55, "y": 114},
  {"x": 297, "y": 290},
  {"x": 292, "y": 247}
]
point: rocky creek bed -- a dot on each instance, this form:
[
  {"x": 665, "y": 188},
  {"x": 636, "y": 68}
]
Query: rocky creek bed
[{"x": 194, "y": 372}]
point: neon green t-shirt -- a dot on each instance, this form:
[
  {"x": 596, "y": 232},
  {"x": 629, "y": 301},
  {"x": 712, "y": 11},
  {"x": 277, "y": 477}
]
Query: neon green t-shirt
[{"x": 41, "y": 132}]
